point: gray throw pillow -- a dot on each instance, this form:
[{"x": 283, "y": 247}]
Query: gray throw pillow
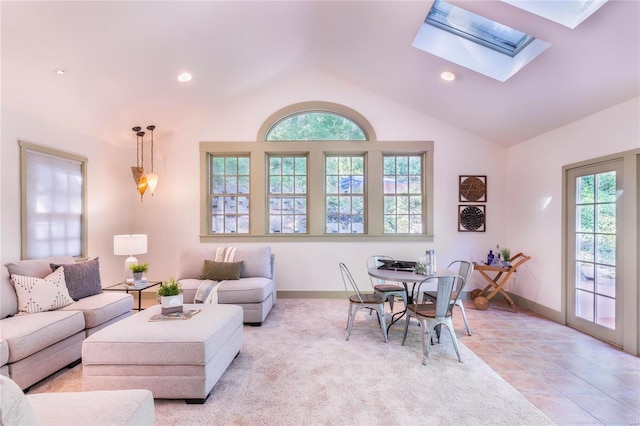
[
  {"x": 83, "y": 279},
  {"x": 219, "y": 271}
]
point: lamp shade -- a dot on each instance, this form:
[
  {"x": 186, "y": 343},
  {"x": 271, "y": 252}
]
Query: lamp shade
[
  {"x": 127, "y": 245},
  {"x": 152, "y": 180}
]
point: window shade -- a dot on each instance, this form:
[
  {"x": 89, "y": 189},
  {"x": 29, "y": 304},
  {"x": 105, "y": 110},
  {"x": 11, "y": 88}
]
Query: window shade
[{"x": 54, "y": 205}]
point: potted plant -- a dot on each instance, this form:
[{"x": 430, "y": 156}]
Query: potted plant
[
  {"x": 138, "y": 269},
  {"x": 170, "y": 294},
  {"x": 506, "y": 255}
]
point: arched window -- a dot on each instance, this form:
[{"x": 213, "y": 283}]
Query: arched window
[
  {"x": 316, "y": 126},
  {"x": 322, "y": 174},
  {"x": 316, "y": 121}
]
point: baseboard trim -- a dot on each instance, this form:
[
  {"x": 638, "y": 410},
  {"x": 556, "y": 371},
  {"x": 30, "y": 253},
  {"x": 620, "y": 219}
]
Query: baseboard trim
[
  {"x": 546, "y": 312},
  {"x": 311, "y": 294}
]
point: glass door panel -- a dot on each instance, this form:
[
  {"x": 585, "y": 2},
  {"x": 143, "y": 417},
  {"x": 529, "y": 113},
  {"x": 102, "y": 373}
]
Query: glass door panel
[{"x": 591, "y": 256}]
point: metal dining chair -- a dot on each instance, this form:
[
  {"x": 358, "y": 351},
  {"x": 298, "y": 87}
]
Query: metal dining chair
[
  {"x": 386, "y": 290},
  {"x": 465, "y": 269},
  {"x": 359, "y": 300},
  {"x": 433, "y": 315}
]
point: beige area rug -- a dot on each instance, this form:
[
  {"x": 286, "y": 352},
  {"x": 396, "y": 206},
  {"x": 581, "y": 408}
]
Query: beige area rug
[{"x": 298, "y": 369}]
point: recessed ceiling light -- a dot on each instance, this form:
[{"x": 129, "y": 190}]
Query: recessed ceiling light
[
  {"x": 60, "y": 71},
  {"x": 185, "y": 76},
  {"x": 448, "y": 76}
]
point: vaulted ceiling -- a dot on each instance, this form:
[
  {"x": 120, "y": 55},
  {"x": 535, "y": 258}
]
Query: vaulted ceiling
[{"x": 123, "y": 57}]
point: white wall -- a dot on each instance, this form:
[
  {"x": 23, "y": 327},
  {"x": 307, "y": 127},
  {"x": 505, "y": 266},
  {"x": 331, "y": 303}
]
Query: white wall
[
  {"x": 524, "y": 215},
  {"x": 109, "y": 187},
  {"x": 535, "y": 192},
  {"x": 171, "y": 218}
]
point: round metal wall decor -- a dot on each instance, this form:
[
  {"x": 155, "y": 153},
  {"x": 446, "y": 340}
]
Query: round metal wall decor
[
  {"x": 471, "y": 218},
  {"x": 473, "y": 188}
]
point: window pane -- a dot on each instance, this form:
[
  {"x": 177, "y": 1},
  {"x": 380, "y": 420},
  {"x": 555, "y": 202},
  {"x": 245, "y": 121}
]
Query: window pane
[
  {"x": 230, "y": 194},
  {"x": 585, "y": 276},
  {"x": 318, "y": 125},
  {"x": 606, "y": 312},
  {"x": 585, "y": 247},
  {"x": 606, "y": 218},
  {"x": 585, "y": 192},
  {"x": 585, "y": 218},
  {"x": 606, "y": 280},
  {"x": 344, "y": 175},
  {"x": 606, "y": 249},
  {"x": 584, "y": 305},
  {"x": 287, "y": 176},
  {"x": 406, "y": 179},
  {"x": 477, "y": 28},
  {"x": 606, "y": 187},
  {"x": 275, "y": 184}
]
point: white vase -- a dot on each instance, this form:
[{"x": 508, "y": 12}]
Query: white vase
[{"x": 171, "y": 304}]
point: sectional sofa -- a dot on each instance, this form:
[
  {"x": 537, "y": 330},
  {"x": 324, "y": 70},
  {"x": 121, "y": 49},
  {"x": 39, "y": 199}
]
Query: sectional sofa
[
  {"x": 251, "y": 285},
  {"x": 109, "y": 408},
  {"x": 35, "y": 345}
]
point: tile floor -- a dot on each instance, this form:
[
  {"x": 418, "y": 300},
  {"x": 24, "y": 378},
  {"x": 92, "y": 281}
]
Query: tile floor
[{"x": 571, "y": 377}]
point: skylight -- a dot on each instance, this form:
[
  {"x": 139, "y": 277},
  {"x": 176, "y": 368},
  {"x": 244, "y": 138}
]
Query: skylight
[
  {"x": 568, "y": 13},
  {"x": 477, "y": 28},
  {"x": 476, "y": 42}
]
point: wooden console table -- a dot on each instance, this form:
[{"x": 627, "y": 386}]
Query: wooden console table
[{"x": 502, "y": 275}]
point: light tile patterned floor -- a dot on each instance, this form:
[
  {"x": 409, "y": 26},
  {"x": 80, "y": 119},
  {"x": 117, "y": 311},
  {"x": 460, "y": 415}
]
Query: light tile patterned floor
[{"x": 571, "y": 377}]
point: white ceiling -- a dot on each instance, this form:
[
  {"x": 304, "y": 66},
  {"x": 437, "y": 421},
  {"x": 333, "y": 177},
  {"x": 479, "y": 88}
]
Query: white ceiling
[{"x": 123, "y": 59}]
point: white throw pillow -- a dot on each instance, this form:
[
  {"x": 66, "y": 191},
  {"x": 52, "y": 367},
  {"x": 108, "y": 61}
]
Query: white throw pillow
[{"x": 41, "y": 294}]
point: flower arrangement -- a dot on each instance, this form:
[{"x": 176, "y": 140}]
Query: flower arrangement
[
  {"x": 170, "y": 288},
  {"x": 420, "y": 268},
  {"x": 139, "y": 267}
]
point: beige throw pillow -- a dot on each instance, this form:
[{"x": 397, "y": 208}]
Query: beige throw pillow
[
  {"x": 219, "y": 271},
  {"x": 41, "y": 294}
]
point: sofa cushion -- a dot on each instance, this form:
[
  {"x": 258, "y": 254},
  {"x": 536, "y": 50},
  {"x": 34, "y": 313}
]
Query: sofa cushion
[
  {"x": 4, "y": 352},
  {"x": 220, "y": 271},
  {"x": 8, "y": 297},
  {"x": 133, "y": 407},
  {"x": 41, "y": 294},
  {"x": 257, "y": 261},
  {"x": 103, "y": 307},
  {"x": 246, "y": 290},
  {"x": 16, "y": 408},
  {"x": 31, "y": 268},
  {"x": 83, "y": 279},
  {"x": 28, "y": 334}
]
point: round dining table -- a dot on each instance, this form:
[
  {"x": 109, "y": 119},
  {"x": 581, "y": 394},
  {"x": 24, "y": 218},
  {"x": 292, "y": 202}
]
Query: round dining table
[{"x": 406, "y": 278}]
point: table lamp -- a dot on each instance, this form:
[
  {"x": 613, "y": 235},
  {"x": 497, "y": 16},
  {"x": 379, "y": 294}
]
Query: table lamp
[{"x": 128, "y": 245}]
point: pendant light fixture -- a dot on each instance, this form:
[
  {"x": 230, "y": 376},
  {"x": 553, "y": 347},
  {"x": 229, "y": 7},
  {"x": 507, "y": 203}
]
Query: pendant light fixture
[
  {"x": 138, "y": 169},
  {"x": 152, "y": 178}
]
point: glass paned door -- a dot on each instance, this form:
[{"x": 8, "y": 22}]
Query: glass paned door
[{"x": 592, "y": 250}]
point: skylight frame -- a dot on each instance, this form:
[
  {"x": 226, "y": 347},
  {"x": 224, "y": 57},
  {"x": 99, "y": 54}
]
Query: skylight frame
[{"x": 477, "y": 28}]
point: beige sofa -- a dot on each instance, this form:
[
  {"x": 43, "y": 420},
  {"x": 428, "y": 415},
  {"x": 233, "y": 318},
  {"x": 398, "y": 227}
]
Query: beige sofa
[
  {"x": 34, "y": 346},
  {"x": 255, "y": 291},
  {"x": 118, "y": 407}
]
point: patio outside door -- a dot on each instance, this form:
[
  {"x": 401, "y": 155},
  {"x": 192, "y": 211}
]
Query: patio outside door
[{"x": 594, "y": 238}]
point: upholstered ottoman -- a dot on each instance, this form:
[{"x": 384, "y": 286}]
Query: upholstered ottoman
[{"x": 176, "y": 359}]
